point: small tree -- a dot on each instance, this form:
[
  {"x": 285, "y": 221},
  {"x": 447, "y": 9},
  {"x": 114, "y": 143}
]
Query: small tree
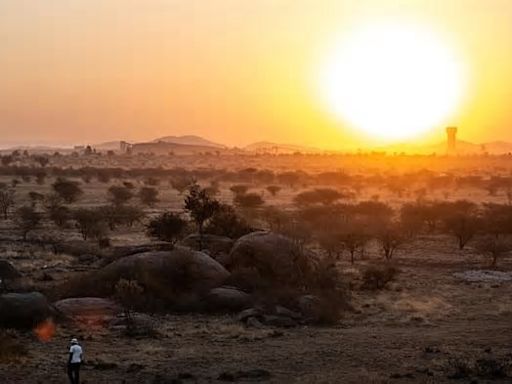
[
  {"x": 68, "y": 190},
  {"x": 325, "y": 196},
  {"x": 27, "y": 219},
  {"x": 119, "y": 195},
  {"x": 167, "y": 227},
  {"x": 131, "y": 296},
  {"x": 148, "y": 196},
  {"x": 461, "y": 219},
  {"x": 390, "y": 237},
  {"x": 201, "y": 207},
  {"x": 273, "y": 189},
  {"x": 90, "y": 223},
  {"x": 239, "y": 189},
  {"x": 494, "y": 247},
  {"x": 6, "y": 201}
]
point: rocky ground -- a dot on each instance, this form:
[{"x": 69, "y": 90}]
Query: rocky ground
[{"x": 429, "y": 326}]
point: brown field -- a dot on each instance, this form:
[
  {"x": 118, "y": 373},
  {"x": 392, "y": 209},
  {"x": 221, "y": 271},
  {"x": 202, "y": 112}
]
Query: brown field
[{"x": 425, "y": 326}]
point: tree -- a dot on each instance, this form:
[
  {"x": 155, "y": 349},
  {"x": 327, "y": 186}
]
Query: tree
[
  {"x": 42, "y": 160},
  {"x": 35, "y": 197},
  {"x": 148, "y": 196},
  {"x": 494, "y": 247},
  {"x": 167, "y": 227},
  {"x": 201, "y": 207},
  {"x": 273, "y": 189},
  {"x": 239, "y": 189},
  {"x": 68, "y": 190},
  {"x": 27, "y": 219},
  {"x": 460, "y": 218},
  {"x": 119, "y": 195},
  {"x": 90, "y": 223},
  {"x": 6, "y": 200},
  {"x": 390, "y": 238}
]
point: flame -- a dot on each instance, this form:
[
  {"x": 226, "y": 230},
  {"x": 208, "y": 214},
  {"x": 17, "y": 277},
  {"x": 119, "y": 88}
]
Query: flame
[{"x": 45, "y": 330}]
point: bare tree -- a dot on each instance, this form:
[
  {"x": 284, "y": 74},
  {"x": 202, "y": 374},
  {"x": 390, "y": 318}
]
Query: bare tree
[{"x": 494, "y": 247}]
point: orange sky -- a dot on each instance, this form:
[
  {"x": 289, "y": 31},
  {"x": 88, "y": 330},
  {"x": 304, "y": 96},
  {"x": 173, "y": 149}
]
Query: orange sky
[{"x": 234, "y": 71}]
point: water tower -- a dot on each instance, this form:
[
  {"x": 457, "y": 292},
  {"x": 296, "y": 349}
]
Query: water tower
[{"x": 451, "y": 143}]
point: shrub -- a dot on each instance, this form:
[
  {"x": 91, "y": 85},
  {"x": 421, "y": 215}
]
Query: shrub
[
  {"x": 226, "y": 222},
  {"x": 201, "y": 207},
  {"x": 376, "y": 278},
  {"x": 494, "y": 247},
  {"x": 273, "y": 189},
  {"x": 131, "y": 296},
  {"x": 239, "y": 189},
  {"x": 167, "y": 227}
]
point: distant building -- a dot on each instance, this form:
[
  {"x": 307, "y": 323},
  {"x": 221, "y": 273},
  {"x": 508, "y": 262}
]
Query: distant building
[{"x": 451, "y": 143}]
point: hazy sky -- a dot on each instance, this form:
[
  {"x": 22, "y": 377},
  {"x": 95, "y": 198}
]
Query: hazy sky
[{"x": 234, "y": 71}]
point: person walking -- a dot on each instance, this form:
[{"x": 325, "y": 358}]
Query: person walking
[{"x": 74, "y": 362}]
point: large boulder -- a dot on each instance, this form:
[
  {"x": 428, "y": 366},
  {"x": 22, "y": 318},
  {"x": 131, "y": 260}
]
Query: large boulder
[
  {"x": 23, "y": 310},
  {"x": 163, "y": 275},
  {"x": 270, "y": 257},
  {"x": 87, "y": 310},
  {"x": 217, "y": 247},
  {"x": 228, "y": 299}
]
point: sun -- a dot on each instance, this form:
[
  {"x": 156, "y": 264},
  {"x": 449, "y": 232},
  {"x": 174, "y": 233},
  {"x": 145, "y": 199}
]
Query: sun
[{"x": 393, "y": 81}]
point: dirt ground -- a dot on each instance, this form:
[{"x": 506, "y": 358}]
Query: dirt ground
[{"x": 412, "y": 332}]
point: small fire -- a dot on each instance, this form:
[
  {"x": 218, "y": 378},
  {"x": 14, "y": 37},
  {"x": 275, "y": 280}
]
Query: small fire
[{"x": 45, "y": 330}]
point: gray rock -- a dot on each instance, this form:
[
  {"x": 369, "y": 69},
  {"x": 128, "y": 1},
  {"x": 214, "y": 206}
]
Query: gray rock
[
  {"x": 23, "y": 310},
  {"x": 248, "y": 313},
  {"x": 282, "y": 311},
  {"x": 279, "y": 321},
  {"x": 228, "y": 299},
  {"x": 88, "y": 307}
]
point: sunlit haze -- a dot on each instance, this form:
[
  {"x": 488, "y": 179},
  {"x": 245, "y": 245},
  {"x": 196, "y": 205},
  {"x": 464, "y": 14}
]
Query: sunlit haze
[{"x": 236, "y": 72}]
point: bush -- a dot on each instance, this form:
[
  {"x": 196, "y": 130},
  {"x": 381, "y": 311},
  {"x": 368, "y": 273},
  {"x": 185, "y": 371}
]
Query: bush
[
  {"x": 376, "y": 278},
  {"x": 167, "y": 227},
  {"x": 226, "y": 222},
  {"x": 325, "y": 196}
]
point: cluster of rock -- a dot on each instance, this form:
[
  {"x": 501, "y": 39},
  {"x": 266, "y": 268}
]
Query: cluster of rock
[{"x": 171, "y": 277}]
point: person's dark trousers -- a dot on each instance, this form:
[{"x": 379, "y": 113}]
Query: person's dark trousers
[{"x": 74, "y": 373}]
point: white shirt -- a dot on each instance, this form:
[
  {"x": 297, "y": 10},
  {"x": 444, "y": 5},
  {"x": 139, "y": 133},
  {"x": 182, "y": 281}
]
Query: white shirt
[{"x": 76, "y": 353}]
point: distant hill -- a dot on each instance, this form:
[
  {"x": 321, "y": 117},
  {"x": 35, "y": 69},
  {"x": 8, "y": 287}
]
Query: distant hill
[
  {"x": 189, "y": 140},
  {"x": 269, "y": 147}
]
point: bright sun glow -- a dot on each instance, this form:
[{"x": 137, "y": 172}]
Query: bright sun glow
[{"x": 393, "y": 81}]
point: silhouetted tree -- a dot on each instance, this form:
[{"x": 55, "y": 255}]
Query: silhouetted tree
[
  {"x": 201, "y": 207},
  {"x": 90, "y": 223},
  {"x": 119, "y": 195},
  {"x": 68, "y": 190},
  {"x": 494, "y": 247},
  {"x": 273, "y": 189}
]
